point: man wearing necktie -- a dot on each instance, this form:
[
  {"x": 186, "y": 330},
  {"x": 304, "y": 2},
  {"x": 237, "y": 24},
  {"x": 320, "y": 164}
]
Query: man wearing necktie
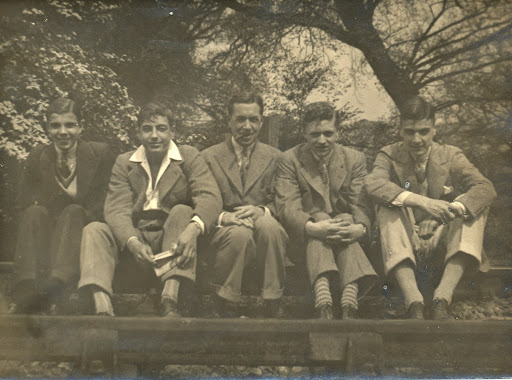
[
  {"x": 161, "y": 198},
  {"x": 432, "y": 206},
  {"x": 62, "y": 188},
  {"x": 319, "y": 201},
  {"x": 250, "y": 243}
]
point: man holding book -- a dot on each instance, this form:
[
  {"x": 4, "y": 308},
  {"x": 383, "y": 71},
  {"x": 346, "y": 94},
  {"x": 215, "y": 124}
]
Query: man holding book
[{"x": 160, "y": 198}]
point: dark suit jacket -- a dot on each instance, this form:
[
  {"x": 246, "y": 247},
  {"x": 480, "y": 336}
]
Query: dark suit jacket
[
  {"x": 259, "y": 185},
  {"x": 299, "y": 186},
  {"x": 449, "y": 174},
  {"x": 188, "y": 182},
  {"x": 38, "y": 184}
]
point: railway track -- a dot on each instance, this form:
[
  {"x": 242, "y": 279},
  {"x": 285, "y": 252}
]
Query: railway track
[
  {"x": 374, "y": 346},
  {"x": 363, "y": 346}
]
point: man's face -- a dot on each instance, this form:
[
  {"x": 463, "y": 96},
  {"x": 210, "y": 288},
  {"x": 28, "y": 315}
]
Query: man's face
[
  {"x": 321, "y": 136},
  {"x": 155, "y": 135},
  {"x": 245, "y": 123},
  {"x": 63, "y": 130},
  {"x": 418, "y": 135}
]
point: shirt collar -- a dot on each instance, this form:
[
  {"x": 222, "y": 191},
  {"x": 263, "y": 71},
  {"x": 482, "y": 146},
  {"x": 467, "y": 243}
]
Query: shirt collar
[
  {"x": 323, "y": 160},
  {"x": 71, "y": 152},
  {"x": 423, "y": 158},
  {"x": 173, "y": 153},
  {"x": 238, "y": 148}
]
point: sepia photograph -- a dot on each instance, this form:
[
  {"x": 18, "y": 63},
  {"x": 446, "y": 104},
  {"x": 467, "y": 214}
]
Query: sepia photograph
[{"x": 256, "y": 189}]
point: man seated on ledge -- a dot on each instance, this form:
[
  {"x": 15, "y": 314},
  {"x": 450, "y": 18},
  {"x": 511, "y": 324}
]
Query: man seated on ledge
[
  {"x": 62, "y": 189},
  {"x": 319, "y": 202},
  {"x": 160, "y": 197},
  {"x": 248, "y": 238},
  {"x": 432, "y": 205}
]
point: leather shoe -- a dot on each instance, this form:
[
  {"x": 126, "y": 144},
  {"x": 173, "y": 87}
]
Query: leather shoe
[
  {"x": 224, "y": 308},
  {"x": 348, "y": 312},
  {"x": 324, "y": 312},
  {"x": 169, "y": 308},
  {"x": 415, "y": 310},
  {"x": 440, "y": 309}
]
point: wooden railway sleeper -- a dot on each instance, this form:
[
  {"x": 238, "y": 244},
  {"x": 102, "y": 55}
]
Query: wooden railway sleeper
[
  {"x": 350, "y": 352},
  {"x": 99, "y": 352}
]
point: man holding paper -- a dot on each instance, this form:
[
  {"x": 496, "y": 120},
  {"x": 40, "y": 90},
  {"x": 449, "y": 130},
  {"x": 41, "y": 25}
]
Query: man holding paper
[{"x": 160, "y": 198}]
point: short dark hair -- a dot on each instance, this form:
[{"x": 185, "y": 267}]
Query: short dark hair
[
  {"x": 319, "y": 111},
  {"x": 152, "y": 109},
  {"x": 63, "y": 105},
  {"x": 417, "y": 108},
  {"x": 245, "y": 97}
]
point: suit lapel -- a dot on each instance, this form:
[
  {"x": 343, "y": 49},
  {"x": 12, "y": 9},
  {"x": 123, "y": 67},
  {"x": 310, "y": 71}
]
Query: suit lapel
[
  {"x": 48, "y": 161},
  {"x": 310, "y": 170},
  {"x": 227, "y": 162},
  {"x": 138, "y": 177},
  {"x": 171, "y": 175},
  {"x": 436, "y": 173},
  {"x": 257, "y": 165},
  {"x": 404, "y": 168},
  {"x": 337, "y": 171},
  {"x": 86, "y": 165}
]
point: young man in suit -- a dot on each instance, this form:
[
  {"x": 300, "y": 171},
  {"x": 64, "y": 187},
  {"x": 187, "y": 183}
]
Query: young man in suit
[
  {"x": 247, "y": 237},
  {"x": 160, "y": 197},
  {"x": 432, "y": 207},
  {"x": 62, "y": 189},
  {"x": 318, "y": 200}
]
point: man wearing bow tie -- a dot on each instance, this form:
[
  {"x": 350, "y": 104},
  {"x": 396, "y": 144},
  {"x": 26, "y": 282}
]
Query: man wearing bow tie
[
  {"x": 432, "y": 207},
  {"x": 248, "y": 239},
  {"x": 161, "y": 197},
  {"x": 319, "y": 201}
]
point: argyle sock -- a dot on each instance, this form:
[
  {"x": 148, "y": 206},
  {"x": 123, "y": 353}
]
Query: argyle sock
[
  {"x": 349, "y": 295},
  {"x": 453, "y": 272},
  {"x": 171, "y": 289},
  {"x": 406, "y": 279},
  {"x": 322, "y": 292}
]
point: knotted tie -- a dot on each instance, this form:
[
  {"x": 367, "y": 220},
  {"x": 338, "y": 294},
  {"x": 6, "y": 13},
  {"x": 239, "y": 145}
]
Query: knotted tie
[
  {"x": 322, "y": 168},
  {"x": 420, "y": 168},
  {"x": 64, "y": 171},
  {"x": 244, "y": 164}
]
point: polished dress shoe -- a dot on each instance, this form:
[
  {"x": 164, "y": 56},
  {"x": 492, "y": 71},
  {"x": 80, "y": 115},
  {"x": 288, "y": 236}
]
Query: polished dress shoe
[
  {"x": 348, "y": 312},
  {"x": 440, "y": 309},
  {"x": 169, "y": 308},
  {"x": 324, "y": 312},
  {"x": 415, "y": 310}
]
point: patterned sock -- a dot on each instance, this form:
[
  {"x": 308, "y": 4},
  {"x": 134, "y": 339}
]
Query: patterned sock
[
  {"x": 452, "y": 273},
  {"x": 171, "y": 289},
  {"x": 322, "y": 292},
  {"x": 406, "y": 279},
  {"x": 349, "y": 295},
  {"x": 102, "y": 302}
]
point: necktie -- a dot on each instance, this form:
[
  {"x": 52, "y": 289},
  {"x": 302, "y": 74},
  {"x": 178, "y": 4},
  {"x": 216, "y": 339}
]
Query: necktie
[
  {"x": 420, "y": 168},
  {"x": 64, "y": 170},
  {"x": 244, "y": 164},
  {"x": 322, "y": 168}
]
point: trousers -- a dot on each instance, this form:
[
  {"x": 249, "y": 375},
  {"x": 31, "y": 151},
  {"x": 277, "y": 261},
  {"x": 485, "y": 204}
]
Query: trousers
[
  {"x": 348, "y": 260},
  {"x": 100, "y": 253},
  {"x": 399, "y": 243},
  {"x": 261, "y": 251},
  {"x": 49, "y": 245}
]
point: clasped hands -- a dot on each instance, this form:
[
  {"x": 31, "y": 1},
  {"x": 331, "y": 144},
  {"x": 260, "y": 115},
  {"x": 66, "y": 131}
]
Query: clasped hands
[
  {"x": 441, "y": 212},
  {"x": 335, "y": 231},
  {"x": 243, "y": 216},
  {"x": 185, "y": 247}
]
